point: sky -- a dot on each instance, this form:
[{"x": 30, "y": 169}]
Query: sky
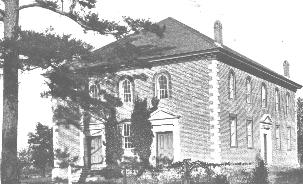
[{"x": 268, "y": 32}]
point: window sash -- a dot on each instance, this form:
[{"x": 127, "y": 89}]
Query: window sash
[
  {"x": 288, "y": 138},
  {"x": 232, "y": 86},
  {"x": 248, "y": 91},
  {"x": 249, "y": 134},
  {"x": 278, "y": 139},
  {"x": 263, "y": 96},
  {"x": 233, "y": 132},
  {"x": 277, "y": 100},
  {"x": 126, "y": 136},
  {"x": 162, "y": 87},
  {"x": 287, "y": 104},
  {"x": 127, "y": 95},
  {"x": 94, "y": 91}
]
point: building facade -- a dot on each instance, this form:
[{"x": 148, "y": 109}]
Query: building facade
[{"x": 216, "y": 105}]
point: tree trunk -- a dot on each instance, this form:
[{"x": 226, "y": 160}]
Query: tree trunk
[
  {"x": 87, "y": 142},
  {"x": 9, "y": 174}
]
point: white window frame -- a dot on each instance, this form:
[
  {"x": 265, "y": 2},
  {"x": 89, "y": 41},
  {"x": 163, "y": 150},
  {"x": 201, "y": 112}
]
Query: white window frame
[
  {"x": 288, "y": 139},
  {"x": 233, "y": 132},
  {"x": 94, "y": 91},
  {"x": 162, "y": 93},
  {"x": 248, "y": 90},
  {"x": 126, "y": 134},
  {"x": 287, "y": 103},
  {"x": 278, "y": 137},
  {"x": 232, "y": 85},
  {"x": 249, "y": 133},
  {"x": 277, "y": 100},
  {"x": 263, "y": 96},
  {"x": 126, "y": 92}
]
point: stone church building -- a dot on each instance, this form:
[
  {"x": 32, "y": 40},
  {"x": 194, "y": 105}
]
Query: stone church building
[{"x": 216, "y": 105}]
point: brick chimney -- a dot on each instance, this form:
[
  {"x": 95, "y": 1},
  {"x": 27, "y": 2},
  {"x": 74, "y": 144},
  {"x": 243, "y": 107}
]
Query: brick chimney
[
  {"x": 218, "y": 32},
  {"x": 286, "y": 68}
]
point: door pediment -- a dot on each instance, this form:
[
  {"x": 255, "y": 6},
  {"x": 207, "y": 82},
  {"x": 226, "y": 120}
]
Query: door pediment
[
  {"x": 161, "y": 114},
  {"x": 266, "y": 119}
]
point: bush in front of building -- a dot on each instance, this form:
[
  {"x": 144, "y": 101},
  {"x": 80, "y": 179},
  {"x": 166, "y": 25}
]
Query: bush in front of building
[{"x": 260, "y": 173}]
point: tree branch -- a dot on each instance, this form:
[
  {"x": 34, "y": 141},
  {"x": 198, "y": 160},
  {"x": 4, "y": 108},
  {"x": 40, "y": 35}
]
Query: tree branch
[
  {"x": 70, "y": 15},
  {"x": 28, "y": 6}
]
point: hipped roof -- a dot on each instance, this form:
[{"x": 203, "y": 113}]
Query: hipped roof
[{"x": 182, "y": 41}]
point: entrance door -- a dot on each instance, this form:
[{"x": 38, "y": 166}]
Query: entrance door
[
  {"x": 265, "y": 148},
  {"x": 96, "y": 150},
  {"x": 165, "y": 148}
]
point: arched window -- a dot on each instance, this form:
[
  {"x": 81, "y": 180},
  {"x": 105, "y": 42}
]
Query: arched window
[
  {"x": 94, "y": 91},
  {"x": 232, "y": 85},
  {"x": 162, "y": 87},
  {"x": 263, "y": 95},
  {"x": 277, "y": 100},
  {"x": 126, "y": 90},
  {"x": 287, "y": 103},
  {"x": 248, "y": 90}
]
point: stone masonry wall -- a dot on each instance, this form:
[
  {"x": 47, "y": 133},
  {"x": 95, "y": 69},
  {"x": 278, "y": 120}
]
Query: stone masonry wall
[
  {"x": 244, "y": 111},
  {"x": 189, "y": 99}
]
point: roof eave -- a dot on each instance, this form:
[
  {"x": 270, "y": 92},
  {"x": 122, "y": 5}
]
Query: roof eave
[{"x": 250, "y": 64}]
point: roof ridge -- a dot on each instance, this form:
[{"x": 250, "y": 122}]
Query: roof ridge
[{"x": 194, "y": 31}]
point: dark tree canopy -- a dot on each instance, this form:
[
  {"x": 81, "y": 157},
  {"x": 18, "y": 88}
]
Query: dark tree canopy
[
  {"x": 141, "y": 130},
  {"x": 41, "y": 146},
  {"x": 29, "y": 50}
]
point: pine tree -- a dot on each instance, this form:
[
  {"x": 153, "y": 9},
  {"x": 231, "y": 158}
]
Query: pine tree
[
  {"x": 78, "y": 11},
  {"x": 41, "y": 146}
]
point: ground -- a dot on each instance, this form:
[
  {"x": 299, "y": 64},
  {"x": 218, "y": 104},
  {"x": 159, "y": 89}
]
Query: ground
[{"x": 284, "y": 176}]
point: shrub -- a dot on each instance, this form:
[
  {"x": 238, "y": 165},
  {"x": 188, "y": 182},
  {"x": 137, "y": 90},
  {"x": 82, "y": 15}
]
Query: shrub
[
  {"x": 220, "y": 179},
  {"x": 111, "y": 173},
  {"x": 260, "y": 173}
]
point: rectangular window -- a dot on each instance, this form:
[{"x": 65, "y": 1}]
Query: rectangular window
[
  {"x": 233, "y": 131},
  {"x": 277, "y": 100},
  {"x": 287, "y": 103},
  {"x": 278, "y": 140},
  {"x": 249, "y": 129},
  {"x": 126, "y": 136},
  {"x": 248, "y": 90},
  {"x": 288, "y": 138}
]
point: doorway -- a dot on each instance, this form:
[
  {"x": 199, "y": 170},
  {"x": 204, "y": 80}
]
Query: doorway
[
  {"x": 265, "y": 148},
  {"x": 165, "y": 150}
]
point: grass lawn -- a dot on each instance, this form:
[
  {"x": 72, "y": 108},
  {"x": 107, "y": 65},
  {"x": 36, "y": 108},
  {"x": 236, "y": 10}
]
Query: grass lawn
[
  {"x": 47, "y": 180},
  {"x": 292, "y": 176}
]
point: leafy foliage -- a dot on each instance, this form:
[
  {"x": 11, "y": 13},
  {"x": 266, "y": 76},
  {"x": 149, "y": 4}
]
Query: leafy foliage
[
  {"x": 44, "y": 51},
  {"x": 141, "y": 130},
  {"x": 24, "y": 161},
  {"x": 64, "y": 158},
  {"x": 113, "y": 138},
  {"x": 41, "y": 146},
  {"x": 47, "y": 49},
  {"x": 67, "y": 115},
  {"x": 260, "y": 173},
  {"x": 300, "y": 128}
]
